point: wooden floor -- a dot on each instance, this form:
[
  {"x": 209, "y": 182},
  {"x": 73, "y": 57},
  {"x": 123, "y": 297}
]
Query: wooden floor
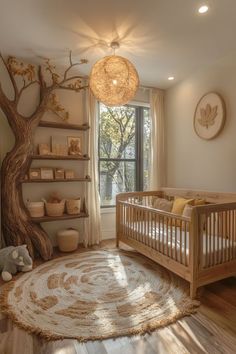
[{"x": 211, "y": 330}]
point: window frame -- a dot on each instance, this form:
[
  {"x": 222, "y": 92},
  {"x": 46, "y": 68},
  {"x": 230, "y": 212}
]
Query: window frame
[{"x": 138, "y": 160}]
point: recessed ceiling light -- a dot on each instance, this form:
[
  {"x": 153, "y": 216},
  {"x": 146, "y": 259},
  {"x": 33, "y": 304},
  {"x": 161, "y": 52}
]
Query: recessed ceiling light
[
  {"x": 170, "y": 78},
  {"x": 203, "y": 9}
]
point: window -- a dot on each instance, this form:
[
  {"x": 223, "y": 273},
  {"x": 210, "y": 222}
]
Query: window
[{"x": 124, "y": 149}]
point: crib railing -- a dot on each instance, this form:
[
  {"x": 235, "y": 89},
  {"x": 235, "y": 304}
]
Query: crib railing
[
  {"x": 217, "y": 234},
  {"x": 161, "y": 231}
]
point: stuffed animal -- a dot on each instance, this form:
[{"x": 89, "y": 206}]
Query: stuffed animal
[{"x": 13, "y": 260}]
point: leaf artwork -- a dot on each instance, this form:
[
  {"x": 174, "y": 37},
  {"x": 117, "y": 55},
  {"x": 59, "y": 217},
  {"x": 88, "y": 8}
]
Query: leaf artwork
[
  {"x": 54, "y": 106},
  {"x": 208, "y": 115},
  {"x": 18, "y": 68}
]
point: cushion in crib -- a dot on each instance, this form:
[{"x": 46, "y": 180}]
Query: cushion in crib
[
  {"x": 199, "y": 202},
  {"x": 179, "y": 204},
  {"x": 187, "y": 211},
  {"x": 162, "y": 204}
]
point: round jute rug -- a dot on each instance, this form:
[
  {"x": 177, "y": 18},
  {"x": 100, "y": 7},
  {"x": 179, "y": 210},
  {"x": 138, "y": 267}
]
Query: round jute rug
[{"x": 96, "y": 295}]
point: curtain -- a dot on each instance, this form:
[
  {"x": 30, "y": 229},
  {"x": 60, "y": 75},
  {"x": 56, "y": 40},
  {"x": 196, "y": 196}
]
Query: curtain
[
  {"x": 157, "y": 163},
  {"x": 92, "y": 229}
]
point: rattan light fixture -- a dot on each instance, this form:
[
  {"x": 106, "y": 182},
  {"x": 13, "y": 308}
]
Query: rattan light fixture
[{"x": 114, "y": 79}]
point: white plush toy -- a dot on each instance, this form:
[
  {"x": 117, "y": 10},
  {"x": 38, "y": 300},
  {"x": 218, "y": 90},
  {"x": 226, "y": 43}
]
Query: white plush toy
[{"x": 13, "y": 260}]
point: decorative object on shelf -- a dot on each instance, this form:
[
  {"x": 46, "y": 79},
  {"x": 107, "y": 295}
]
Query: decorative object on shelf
[
  {"x": 34, "y": 173},
  {"x": 59, "y": 145},
  {"x": 55, "y": 206},
  {"x": 73, "y": 206},
  {"x": 23, "y": 77},
  {"x": 74, "y": 145},
  {"x": 114, "y": 79},
  {"x": 209, "y": 116},
  {"x": 13, "y": 260},
  {"x": 36, "y": 209},
  {"x": 47, "y": 173},
  {"x": 44, "y": 149},
  {"x": 67, "y": 240},
  {"x": 59, "y": 173},
  {"x": 69, "y": 174}
]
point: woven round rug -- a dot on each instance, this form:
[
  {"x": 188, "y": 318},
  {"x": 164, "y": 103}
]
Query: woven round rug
[{"x": 96, "y": 295}]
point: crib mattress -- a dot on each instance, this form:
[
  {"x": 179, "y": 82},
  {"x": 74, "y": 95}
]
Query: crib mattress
[{"x": 171, "y": 243}]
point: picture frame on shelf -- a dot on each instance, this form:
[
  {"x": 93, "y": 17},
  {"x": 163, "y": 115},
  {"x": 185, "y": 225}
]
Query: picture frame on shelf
[
  {"x": 35, "y": 173},
  {"x": 59, "y": 146},
  {"x": 47, "y": 173},
  {"x": 44, "y": 149},
  {"x": 59, "y": 173},
  {"x": 69, "y": 174},
  {"x": 74, "y": 144}
]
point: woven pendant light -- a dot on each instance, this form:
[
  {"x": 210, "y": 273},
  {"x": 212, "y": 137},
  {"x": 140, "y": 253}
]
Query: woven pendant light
[{"x": 114, "y": 79}]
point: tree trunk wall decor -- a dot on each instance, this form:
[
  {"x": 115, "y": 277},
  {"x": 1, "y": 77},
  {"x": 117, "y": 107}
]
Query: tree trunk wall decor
[{"x": 17, "y": 226}]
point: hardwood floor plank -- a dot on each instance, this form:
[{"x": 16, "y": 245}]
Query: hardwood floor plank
[
  {"x": 227, "y": 341},
  {"x": 164, "y": 341},
  {"x": 95, "y": 347},
  {"x": 223, "y": 291},
  {"x": 186, "y": 338}
]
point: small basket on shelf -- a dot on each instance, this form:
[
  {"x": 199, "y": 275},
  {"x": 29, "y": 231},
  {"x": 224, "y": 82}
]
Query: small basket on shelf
[
  {"x": 73, "y": 206},
  {"x": 36, "y": 209},
  {"x": 54, "y": 206}
]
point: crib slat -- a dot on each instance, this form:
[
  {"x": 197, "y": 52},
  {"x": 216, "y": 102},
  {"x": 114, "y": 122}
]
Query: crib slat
[
  {"x": 181, "y": 243},
  {"x": 218, "y": 238},
  {"x": 175, "y": 239},
  {"x": 225, "y": 235},
  {"x": 206, "y": 242},
  {"x": 185, "y": 241}
]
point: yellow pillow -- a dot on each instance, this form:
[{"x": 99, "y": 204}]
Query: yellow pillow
[
  {"x": 179, "y": 204},
  {"x": 199, "y": 202}
]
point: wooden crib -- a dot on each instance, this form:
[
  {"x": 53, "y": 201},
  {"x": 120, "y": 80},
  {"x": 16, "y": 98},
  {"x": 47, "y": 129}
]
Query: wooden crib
[{"x": 201, "y": 249}]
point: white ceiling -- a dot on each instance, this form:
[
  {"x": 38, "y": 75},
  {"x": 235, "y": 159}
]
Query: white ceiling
[{"x": 161, "y": 37}]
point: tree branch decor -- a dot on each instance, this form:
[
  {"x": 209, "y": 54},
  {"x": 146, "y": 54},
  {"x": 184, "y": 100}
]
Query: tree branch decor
[{"x": 17, "y": 225}]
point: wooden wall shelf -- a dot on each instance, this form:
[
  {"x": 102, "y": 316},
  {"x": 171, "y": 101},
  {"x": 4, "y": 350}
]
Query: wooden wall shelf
[
  {"x": 46, "y": 124},
  {"x": 56, "y": 180},
  {"x": 58, "y": 218},
  {"x": 57, "y": 157}
]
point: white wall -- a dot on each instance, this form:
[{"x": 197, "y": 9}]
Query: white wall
[{"x": 193, "y": 162}]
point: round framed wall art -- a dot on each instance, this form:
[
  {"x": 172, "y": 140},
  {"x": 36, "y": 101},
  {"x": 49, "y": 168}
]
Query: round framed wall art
[{"x": 209, "y": 116}]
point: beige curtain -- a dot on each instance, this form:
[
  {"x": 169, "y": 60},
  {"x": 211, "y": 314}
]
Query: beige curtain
[
  {"x": 157, "y": 163},
  {"x": 92, "y": 234}
]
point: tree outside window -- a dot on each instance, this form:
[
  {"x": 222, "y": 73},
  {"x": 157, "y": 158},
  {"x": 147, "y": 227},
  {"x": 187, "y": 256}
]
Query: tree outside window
[{"x": 124, "y": 150}]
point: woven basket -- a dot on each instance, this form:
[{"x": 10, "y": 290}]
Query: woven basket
[
  {"x": 73, "y": 206},
  {"x": 55, "y": 209},
  {"x": 36, "y": 209}
]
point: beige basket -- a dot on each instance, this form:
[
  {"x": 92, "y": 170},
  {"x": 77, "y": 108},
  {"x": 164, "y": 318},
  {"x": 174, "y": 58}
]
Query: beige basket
[
  {"x": 67, "y": 240},
  {"x": 73, "y": 206},
  {"x": 36, "y": 209},
  {"x": 55, "y": 209}
]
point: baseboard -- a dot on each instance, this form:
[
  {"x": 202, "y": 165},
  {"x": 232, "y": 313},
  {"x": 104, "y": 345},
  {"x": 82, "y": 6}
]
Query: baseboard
[{"x": 108, "y": 234}]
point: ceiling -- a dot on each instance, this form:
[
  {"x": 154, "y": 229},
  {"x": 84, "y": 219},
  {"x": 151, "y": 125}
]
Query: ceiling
[{"x": 161, "y": 37}]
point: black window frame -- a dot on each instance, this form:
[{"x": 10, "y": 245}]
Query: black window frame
[{"x": 138, "y": 160}]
